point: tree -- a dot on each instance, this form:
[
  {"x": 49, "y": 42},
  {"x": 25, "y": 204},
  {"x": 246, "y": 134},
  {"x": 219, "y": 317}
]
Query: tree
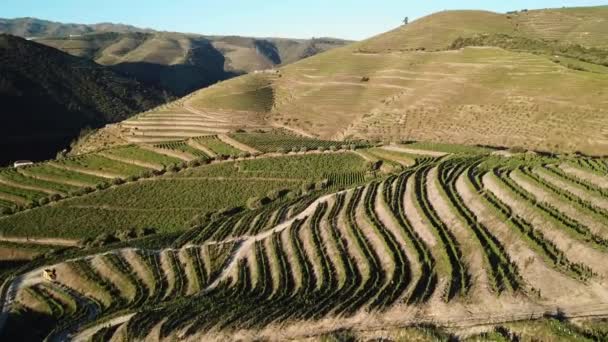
[{"x": 406, "y": 20}]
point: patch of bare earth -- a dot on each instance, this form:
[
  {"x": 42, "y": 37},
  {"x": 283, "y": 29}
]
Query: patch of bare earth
[
  {"x": 311, "y": 252},
  {"x": 590, "y": 177}
]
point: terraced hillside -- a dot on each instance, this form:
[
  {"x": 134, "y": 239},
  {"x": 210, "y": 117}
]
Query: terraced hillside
[
  {"x": 464, "y": 77},
  {"x": 166, "y": 186},
  {"x": 463, "y": 237}
]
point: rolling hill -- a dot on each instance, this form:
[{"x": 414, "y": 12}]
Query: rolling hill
[
  {"x": 534, "y": 79},
  {"x": 177, "y": 62},
  {"x": 48, "y": 97},
  {"x": 183, "y": 63},
  {"x": 33, "y": 27}
]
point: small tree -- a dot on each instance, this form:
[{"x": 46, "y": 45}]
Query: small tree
[
  {"x": 303, "y": 149},
  {"x": 406, "y": 20}
]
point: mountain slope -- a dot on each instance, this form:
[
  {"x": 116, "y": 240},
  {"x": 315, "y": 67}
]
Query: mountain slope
[
  {"x": 33, "y": 27},
  {"x": 48, "y": 97},
  {"x": 181, "y": 62},
  {"x": 178, "y": 62},
  {"x": 534, "y": 79}
]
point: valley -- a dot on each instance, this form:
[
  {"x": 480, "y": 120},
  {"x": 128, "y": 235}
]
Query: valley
[{"x": 444, "y": 181}]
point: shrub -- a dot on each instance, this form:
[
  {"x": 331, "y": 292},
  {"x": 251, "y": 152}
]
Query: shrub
[
  {"x": 145, "y": 231},
  {"x": 321, "y": 148},
  {"x": 103, "y": 240},
  {"x": 132, "y": 178},
  {"x": 146, "y": 174},
  {"x": 55, "y": 197},
  {"x": 257, "y": 202},
  {"x": 244, "y": 154},
  {"x": 333, "y": 148},
  {"x": 365, "y": 79},
  {"x": 194, "y": 163},
  {"x": 306, "y": 187},
  {"x": 281, "y": 150},
  {"x": 173, "y": 168},
  {"x": 6, "y": 211},
  {"x": 276, "y": 194},
  {"x": 102, "y": 186},
  {"x": 323, "y": 184},
  {"x": 127, "y": 234},
  {"x": 118, "y": 181},
  {"x": 303, "y": 149},
  {"x": 87, "y": 190},
  {"x": 294, "y": 149},
  {"x": 42, "y": 201}
]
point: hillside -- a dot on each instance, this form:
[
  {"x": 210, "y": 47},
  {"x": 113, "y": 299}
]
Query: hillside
[
  {"x": 177, "y": 62},
  {"x": 33, "y": 27},
  {"x": 183, "y": 63},
  {"x": 467, "y": 77},
  {"x": 415, "y": 241},
  {"x": 48, "y": 97}
]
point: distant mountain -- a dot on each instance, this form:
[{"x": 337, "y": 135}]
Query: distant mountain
[
  {"x": 49, "y": 96},
  {"x": 178, "y": 62},
  {"x": 33, "y": 27}
]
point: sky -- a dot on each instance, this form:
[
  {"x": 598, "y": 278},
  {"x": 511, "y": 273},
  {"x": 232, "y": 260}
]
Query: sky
[{"x": 348, "y": 19}]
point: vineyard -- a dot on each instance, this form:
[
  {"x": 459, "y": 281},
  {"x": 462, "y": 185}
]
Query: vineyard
[
  {"x": 286, "y": 142},
  {"x": 468, "y": 237}
]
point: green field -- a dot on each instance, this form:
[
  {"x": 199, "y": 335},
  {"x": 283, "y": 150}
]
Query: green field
[
  {"x": 136, "y": 153},
  {"x": 182, "y": 146},
  {"x": 218, "y": 146},
  {"x": 285, "y": 142},
  {"x": 94, "y": 162}
]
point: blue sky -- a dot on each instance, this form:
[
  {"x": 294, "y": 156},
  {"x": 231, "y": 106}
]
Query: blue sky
[{"x": 351, "y": 19}]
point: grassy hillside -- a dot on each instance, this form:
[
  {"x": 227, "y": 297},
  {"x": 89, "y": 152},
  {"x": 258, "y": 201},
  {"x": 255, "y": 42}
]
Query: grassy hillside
[
  {"x": 48, "y": 97},
  {"x": 457, "y": 76}
]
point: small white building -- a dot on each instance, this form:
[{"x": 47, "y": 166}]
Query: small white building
[{"x": 21, "y": 163}]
